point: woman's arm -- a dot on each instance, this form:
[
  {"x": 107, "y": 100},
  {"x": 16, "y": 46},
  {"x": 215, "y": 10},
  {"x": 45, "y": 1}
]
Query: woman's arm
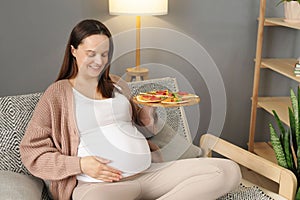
[{"x": 148, "y": 117}]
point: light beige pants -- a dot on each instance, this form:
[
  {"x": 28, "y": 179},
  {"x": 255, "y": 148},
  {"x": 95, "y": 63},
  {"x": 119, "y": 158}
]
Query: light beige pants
[{"x": 189, "y": 179}]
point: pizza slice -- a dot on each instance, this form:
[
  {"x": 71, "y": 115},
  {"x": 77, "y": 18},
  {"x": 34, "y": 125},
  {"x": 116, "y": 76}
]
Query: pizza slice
[
  {"x": 148, "y": 98},
  {"x": 158, "y": 93},
  {"x": 173, "y": 98}
]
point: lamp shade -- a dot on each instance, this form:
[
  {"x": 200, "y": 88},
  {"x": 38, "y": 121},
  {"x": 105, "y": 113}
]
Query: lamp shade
[{"x": 138, "y": 7}]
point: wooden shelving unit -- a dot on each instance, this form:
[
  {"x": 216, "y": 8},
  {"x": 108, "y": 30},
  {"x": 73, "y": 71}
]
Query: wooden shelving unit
[
  {"x": 280, "y": 22},
  {"x": 283, "y": 66},
  {"x": 280, "y": 104},
  {"x": 265, "y": 150}
]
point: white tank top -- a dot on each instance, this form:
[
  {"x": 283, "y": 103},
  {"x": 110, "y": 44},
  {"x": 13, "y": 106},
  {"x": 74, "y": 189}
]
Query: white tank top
[{"x": 106, "y": 130}]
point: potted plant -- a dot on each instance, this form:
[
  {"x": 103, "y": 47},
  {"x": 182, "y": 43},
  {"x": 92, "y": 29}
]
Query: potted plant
[
  {"x": 287, "y": 145},
  {"x": 291, "y": 10}
]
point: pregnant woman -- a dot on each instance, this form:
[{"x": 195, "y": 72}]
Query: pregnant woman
[{"x": 83, "y": 139}]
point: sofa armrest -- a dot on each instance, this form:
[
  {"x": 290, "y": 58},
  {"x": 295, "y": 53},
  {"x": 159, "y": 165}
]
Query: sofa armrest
[{"x": 284, "y": 177}]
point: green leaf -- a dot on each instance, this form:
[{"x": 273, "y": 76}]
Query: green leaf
[
  {"x": 297, "y": 133},
  {"x": 293, "y": 130},
  {"x": 294, "y": 102},
  {"x": 278, "y": 149},
  {"x": 298, "y": 194},
  {"x": 298, "y": 162},
  {"x": 288, "y": 151},
  {"x": 279, "y": 123}
]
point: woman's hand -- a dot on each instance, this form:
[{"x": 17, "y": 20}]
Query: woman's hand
[
  {"x": 148, "y": 117},
  {"x": 97, "y": 168}
]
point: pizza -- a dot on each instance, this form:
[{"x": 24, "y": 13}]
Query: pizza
[
  {"x": 148, "y": 98},
  {"x": 173, "y": 98},
  {"x": 164, "y": 96},
  {"x": 159, "y": 93}
]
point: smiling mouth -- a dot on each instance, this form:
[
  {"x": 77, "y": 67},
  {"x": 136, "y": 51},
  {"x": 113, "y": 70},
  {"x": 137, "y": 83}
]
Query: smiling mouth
[{"x": 95, "y": 67}]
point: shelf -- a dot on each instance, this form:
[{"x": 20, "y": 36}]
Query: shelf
[
  {"x": 280, "y": 22},
  {"x": 279, "y": 104},
  {"x": 281, "y": 66},
  {"x": 265, "y": 150}
]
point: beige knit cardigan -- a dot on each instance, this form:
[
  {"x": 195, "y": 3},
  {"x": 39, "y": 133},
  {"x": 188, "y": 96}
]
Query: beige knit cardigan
[{"x": 49, "y": 146}]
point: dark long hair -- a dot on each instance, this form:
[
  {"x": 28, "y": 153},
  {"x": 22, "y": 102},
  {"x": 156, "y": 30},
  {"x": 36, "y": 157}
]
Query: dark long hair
[{"x": 69, "y": 68}]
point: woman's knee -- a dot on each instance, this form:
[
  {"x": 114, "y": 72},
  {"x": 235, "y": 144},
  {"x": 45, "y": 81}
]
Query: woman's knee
[{"x": 232, "y": 173}]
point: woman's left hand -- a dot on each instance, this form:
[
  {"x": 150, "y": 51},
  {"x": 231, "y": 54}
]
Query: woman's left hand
[{"x": 147, "y": 116}]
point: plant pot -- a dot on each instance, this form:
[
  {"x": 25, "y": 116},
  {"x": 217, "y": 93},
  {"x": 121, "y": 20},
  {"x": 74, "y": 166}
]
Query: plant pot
[{"x": 292, "y": 11}]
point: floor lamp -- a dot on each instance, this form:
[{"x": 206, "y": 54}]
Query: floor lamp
[{"x": 138, "y": 8}]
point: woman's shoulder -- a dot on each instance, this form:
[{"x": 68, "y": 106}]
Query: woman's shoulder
[
  {"x": 55, "y": 94},
  {"x": 60, "y": 85},
  {"x": 58, "y": 88}
]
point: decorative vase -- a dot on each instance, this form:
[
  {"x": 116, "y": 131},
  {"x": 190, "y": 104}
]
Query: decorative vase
[{"x": 292, "y": 11}]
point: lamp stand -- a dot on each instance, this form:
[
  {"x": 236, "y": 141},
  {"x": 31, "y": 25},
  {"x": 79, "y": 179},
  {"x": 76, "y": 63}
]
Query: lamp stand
[{"x": 136, "y": 72}]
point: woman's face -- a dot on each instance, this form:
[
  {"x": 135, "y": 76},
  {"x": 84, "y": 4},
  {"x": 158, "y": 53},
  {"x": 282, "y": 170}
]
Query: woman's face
[{"x": 91, "y": 55}]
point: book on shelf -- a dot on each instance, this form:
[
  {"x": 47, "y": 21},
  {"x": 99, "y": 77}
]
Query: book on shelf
[{"x": 297, "y": 68}]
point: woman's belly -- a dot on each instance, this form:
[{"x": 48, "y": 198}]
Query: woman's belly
[{"x": 121, "y": 143}]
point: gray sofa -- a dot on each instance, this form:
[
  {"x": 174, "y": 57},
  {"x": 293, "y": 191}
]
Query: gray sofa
[
  {"x": 16, "y": 111},
  {"x": 16, "y": 183}
]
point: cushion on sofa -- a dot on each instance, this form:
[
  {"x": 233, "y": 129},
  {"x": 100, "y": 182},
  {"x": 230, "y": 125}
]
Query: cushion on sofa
[
  {"x": 15, "y": 113},
  {"x": 16, "y": 186}
]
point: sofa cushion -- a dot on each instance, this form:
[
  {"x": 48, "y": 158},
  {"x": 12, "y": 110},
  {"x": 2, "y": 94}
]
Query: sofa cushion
[
  {"x": 15, "y": 186},
  {"x": 15, "y": 113}
]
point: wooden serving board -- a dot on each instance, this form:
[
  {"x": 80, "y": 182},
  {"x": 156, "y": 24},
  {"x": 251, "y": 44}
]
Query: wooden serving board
[{"x": 188, "y": 102}]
